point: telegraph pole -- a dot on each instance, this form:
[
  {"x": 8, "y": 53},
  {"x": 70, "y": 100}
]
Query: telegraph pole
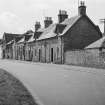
[
  {"x": 78, "y": 3},
  {"x": 103, "y": 21}
]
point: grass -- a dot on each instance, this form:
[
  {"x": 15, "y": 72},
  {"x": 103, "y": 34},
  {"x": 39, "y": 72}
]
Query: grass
[{"x": 13, "y": 92}]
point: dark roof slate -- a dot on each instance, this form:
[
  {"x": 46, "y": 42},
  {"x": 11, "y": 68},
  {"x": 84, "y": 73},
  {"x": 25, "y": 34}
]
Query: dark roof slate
[
  {"x": 8, "y": 36},
  {"x": 69, "y": 23},
  {"x": 48, "y": 32},
  {"x": 55, "y": 29}
]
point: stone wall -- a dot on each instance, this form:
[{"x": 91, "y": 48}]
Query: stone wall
[
  {"x": 88, "y": 57},
  {"x": 41, "y": 50},
  {"x": 18, "y": 51}
]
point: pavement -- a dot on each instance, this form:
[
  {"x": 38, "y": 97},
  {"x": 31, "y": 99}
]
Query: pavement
[{"x": 52, "y": 84}]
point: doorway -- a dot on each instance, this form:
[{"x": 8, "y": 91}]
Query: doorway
[
  {"x": 52, "y": 55},
  {"x": 39, "y": 55}
]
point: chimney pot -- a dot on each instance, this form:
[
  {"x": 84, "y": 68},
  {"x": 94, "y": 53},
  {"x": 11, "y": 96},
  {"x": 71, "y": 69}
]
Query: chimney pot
[
  {"x": 62, "y": 15},
  {"x": 48, "y": 21},
  {"x": 37, "y": 25},
  {"x": 82, "y": 9}
]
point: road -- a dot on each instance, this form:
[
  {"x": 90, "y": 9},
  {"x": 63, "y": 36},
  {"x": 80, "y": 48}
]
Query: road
[{"x": 52, "y": 84}]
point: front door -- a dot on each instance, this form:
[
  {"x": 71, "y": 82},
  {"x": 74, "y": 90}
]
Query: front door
[
  {"x": 52, "y": 55},
  {"x": 39, "y": 55}
]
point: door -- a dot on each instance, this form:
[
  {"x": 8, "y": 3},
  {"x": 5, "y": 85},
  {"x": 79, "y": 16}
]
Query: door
[
  {"x": 39, "y": 55},
  {"x": 52, "y": 55}
]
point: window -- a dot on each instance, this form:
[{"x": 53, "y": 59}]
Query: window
[{"x": 39, "y": 54}]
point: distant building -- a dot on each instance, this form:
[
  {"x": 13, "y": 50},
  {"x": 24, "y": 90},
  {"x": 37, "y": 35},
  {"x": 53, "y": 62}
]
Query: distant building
[
  {"x": 7, "y": 48},
  {"x": 50, "y": 44}
]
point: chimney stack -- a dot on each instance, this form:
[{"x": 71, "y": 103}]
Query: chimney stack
[
  {"x": 82, "y": 9},
  {"x": 37, "y": 26},
  {"x": 62, "y": 16},
  {"x": 48, "y": 21}
]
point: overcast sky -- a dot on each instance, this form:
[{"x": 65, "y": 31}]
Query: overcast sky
[{"x": 18, "y": 16}]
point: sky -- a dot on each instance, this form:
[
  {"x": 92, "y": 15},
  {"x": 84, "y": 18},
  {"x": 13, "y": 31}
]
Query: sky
[{"x": 18, "y": 16}]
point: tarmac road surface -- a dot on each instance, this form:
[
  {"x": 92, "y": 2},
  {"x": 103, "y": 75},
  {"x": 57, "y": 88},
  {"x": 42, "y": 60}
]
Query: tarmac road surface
[{"x": 52, "y": 84}]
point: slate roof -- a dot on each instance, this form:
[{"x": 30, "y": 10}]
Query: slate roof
[
  {"x": 97, "y": 44},
  {"x": 24, "y": 38},
  {"x": 37, "y": 34},
  {"x": 51, "y": 30},
  {"x": 27, "y": 37},
  {"x": 21, "y": 40},
  {"x": 31, "y": 39},
  {"x": 69, "y": 23},
  {"x": 48, "y": 32},
  {"x": 18, "y": 38},
  {"x": 9, "y": 36},
  {"x": 10, "y": 42}
]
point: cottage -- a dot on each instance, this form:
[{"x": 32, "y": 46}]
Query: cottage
[
  {"x": 7, "y": 48},
  {"x": 53, "y": 42},
  {"x": 20, "y": 46}
]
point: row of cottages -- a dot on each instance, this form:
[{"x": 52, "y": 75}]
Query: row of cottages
[{"x": 50, "y": 44}]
